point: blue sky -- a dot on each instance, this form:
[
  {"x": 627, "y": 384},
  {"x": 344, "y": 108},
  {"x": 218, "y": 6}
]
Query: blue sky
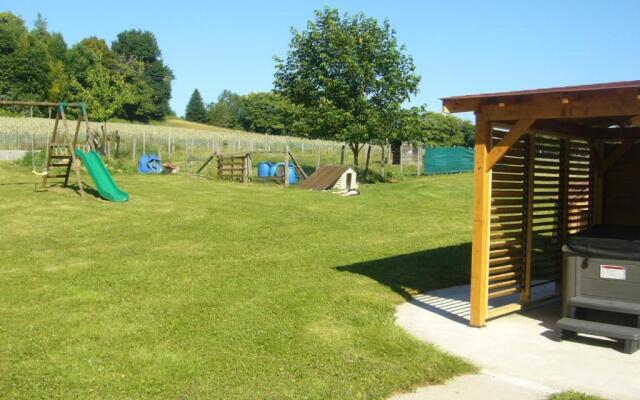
[{"x": 458, "y": 47}]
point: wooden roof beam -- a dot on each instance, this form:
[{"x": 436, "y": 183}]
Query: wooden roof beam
[
  {"x": 556, "y": 106},
  {"x": 474, "y": 101},
  {"x": 564, "y": 128},
  {"x": 510, "y": 138}
]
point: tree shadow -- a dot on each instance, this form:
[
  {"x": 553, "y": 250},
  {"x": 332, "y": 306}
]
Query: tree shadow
[
  {"x": 412, "y": 275},
  {"x": 74, "y": 186},
  {"x": 416, "y": 273},
  {"x": 18, "y": 184},
  {"x": 87, "y": 190}
]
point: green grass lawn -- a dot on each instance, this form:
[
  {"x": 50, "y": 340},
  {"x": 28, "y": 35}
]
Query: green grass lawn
[
  {"x": 571, "y": 395},
  {"x": 205, "y": 289}
]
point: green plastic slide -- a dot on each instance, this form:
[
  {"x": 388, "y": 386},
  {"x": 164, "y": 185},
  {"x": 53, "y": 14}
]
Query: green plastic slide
[{"x": 107, "y": 188}]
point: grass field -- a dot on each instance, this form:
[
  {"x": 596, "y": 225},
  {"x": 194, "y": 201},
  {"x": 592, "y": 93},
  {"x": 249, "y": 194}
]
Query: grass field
[
  {"x": 572, "y": 395},
  {"x": 205, "y": 289}
]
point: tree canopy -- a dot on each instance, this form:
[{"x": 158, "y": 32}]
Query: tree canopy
[
  {"x": 153, "y": 82},
  {"x": 436, "y": 129},
  {"x": 195, "y": 110},
  {"x": 104, "y": 91},
  {"x": 227, "y": 111},
  {"x": 38, "y": 65},
  {"x": 345, "y": 78},
  {"x": 351, "y": 76},
  {"x": 24, "y": 61}
]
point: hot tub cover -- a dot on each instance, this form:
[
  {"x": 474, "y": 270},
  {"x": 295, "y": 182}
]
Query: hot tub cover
[{"x": 607, "y": 241}]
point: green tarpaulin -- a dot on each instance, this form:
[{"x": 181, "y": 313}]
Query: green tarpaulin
[{"x": 446, "y": 160}]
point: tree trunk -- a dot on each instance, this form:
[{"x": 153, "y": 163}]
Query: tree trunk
[
  {"x": 366, "y": 164},
  {"x": 117, "y": 144},
  {"x": 355, "y": 149},
  {"x": 105, "y": 140},
  {"x": 383, "y": 163}
]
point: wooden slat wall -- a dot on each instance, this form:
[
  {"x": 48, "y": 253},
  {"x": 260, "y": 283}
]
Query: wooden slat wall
[
  {"x": 548, "y": 201},
  {"x": 580, "y": 187},
  {"x": 506, "y": 249},
  {"x": 559, "y": 192},
  {"x": 622, "y": 190}
]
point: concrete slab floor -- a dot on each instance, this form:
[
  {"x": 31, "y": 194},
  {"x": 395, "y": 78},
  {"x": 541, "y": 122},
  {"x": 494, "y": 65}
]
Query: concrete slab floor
[{"x": 516, "y": 353}]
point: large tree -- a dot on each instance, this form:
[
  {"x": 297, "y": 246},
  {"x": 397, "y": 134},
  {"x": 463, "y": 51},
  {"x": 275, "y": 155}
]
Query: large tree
[
  {"x": 104, "y": 90},
  {"x": 435, "y": 129},
  {"x": 153, "y": 84},
  {"x": 351, "y": 76},
  {"x": 56, "y": 49},
  {"x": 24, "y": 62},
  {"x": 82, "y": 56},
  {"x": 227, "y": 111},
  {"x": 268, "y": 112},
  {"x": 195, "y": 110}
]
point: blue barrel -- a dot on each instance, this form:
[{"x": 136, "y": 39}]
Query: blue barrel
[
  {"x": 263, "y": 168},
  {"x": 272, "y": 168},
  {"x": 293, "y": 177},
  {"x": 279, "y": 171}
]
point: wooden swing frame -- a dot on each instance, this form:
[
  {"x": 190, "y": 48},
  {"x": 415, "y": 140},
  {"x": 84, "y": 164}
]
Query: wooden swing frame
[{"x": 61, "y": 147}]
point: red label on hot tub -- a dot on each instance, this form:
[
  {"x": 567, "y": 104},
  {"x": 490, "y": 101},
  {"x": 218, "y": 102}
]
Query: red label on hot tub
[{"x": 613, "y": 272}]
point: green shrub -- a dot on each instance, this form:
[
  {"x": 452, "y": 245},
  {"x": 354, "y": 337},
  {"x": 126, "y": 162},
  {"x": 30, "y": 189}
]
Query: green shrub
[
  {"x": 572, "y": 395},
  {"x": 38, "y": 158}
]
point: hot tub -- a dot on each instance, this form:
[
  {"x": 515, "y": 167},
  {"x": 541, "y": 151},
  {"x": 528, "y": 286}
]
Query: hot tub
[{"x": 601, "y": 284}]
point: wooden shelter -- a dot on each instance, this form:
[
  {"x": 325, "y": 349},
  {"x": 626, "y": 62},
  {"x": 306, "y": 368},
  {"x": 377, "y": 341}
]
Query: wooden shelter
[{"x": 548, "y": 163}]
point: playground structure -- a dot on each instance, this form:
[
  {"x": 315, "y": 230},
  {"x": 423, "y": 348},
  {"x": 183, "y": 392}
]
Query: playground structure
[
  {"x": 230, "y": 166},
  {"x": 63, "y": 152},
  {"x": 105, "y": 184},
  {"x": 240, "y": 167},
  {"x": 61, "y": 147},
  {"x": 234, "y": 167}
]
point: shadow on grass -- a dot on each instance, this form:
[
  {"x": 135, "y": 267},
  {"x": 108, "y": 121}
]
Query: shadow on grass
[
  {"x": 18, "y": 183},
  {"x": 411, "y": 275},
  {"x": 415, "y": 273},
  {"x": 37, "y": 187},
  {"x": 87, "y": 190},
  {"x": 74, "y": 187}
]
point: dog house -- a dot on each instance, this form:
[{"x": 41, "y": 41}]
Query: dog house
[
  {"x": 332, "y": 177},
  {"x": 548, "y": 164}
]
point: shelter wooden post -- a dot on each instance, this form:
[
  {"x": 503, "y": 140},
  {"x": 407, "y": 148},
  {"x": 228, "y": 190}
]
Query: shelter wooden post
[
  {"x": 481, "y": 219},
  {"x": 525, "y": 296}
]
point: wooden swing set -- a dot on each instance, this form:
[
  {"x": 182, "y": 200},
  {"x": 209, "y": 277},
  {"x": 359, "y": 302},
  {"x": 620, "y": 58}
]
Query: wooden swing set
[{"x": 62, "y": 144}]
